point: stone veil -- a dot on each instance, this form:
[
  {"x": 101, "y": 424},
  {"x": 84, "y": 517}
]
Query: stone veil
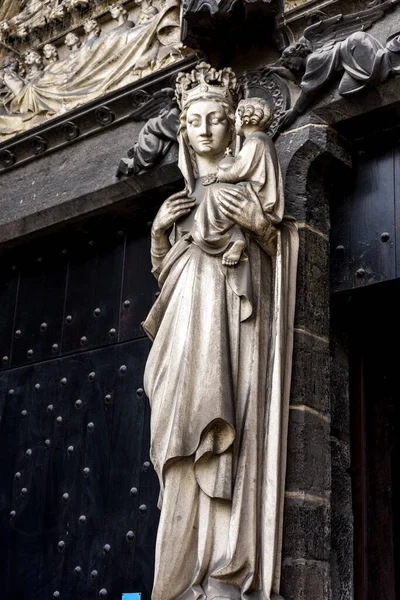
[{"x": 218, "y": 378}]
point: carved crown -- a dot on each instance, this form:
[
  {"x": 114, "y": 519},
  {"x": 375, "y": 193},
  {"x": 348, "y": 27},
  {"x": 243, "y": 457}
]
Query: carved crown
[{"x": 206, "y": 82}]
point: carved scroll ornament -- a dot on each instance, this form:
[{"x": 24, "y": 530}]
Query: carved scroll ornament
[{"x": 218, "y": 373}]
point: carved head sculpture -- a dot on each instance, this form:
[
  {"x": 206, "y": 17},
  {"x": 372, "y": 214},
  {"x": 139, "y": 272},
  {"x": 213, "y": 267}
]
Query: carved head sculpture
[
  {"x": 91, "y": 28},
  {"x": 208, "y": 99},
  {"x": 72, "y": 41},
  {"x": 117, "y": 10},
  {"x": 33, "y": 60},
  {"x": 294, "y": 57},
  {"x": 11, "y": 63},
  {"x": 50, "y": 52},
  {"x": 255, "y": 112}
]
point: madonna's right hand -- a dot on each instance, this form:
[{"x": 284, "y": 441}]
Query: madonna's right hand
[{"x": 171, "y": 210}]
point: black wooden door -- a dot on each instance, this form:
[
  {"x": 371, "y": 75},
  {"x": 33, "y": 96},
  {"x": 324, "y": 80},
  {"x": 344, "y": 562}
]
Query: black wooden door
[
  {"x": 375, "y": 359},
  {"x": 365, "y": 212},
  {"x": 78, "y": 495}
]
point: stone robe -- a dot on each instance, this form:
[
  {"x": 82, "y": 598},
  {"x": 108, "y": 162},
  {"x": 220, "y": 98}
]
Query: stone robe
[{"x": 362, "y": 57}]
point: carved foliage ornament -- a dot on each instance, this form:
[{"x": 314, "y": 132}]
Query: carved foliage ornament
[
  {"x": 104, "y": 115},
  {"x": 70, "y": 130},
  {"x": 7, "y": 158}
]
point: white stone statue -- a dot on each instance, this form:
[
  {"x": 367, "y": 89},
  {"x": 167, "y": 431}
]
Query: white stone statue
[
  {"x": 218, "y": 374},
  {"x": 213, "y": 230}
]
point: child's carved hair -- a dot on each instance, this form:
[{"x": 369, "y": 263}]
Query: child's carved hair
[{"x": 255, "y": 111}]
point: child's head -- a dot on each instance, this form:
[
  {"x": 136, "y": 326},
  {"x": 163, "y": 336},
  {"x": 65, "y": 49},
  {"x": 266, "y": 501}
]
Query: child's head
[{"x": 254, "y": 114}]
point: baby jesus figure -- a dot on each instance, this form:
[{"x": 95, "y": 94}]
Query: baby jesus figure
[{"x": 214, "y": 231}]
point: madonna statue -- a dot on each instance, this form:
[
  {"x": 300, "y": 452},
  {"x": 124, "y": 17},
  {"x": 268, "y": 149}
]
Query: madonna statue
[{"x": 218, "y": 374}]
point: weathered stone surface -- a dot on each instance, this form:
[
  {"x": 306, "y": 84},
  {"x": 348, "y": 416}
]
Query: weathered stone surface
[
  {"x": 308, "y": 467},
  {"x": 307, "y": 527},
  {"x": 311, "y": 373},
  {"x": 312, "y": 310},
  {"x": 340, "y": 402},
  {"x": 76, "y": 180},
  {"x": 341, "y": 481},
  {"x": 342, "y": 555},
  {"x": 342, "y": 522},
  {"x": 305, "y": 580}
]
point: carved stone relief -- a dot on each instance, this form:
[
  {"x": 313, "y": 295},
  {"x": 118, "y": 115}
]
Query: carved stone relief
[
  {"x": 85, "y": 63},
  {"x": 339, "y": 45}
]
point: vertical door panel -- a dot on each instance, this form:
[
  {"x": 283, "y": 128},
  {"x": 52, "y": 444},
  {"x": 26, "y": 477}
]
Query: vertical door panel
[
  {"x": 139, "y": 287},
  {"x": 74, "y": 431},
  {"x": 40, "y": 304},
  {"x": 93, "y": 292},
  {"x": 363, "y": 224},
  {"x": 8, "y": 296}
]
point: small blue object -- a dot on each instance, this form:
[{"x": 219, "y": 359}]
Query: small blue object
[{"x": 131, "y": 596}]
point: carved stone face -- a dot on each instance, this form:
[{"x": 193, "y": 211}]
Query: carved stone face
[
  {"x": 32, "y": 58},
  {"x": 207, "y": 128},
  {"x": 116, "y": 11},
  {"x": 292, "y": 59},
  {"x": 71, "y": 39},
  {"x": 90, "y": 25},
  {"x": 50, "y": 52}
]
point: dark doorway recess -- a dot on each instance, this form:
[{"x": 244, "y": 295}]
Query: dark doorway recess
[
  {"x": 375, "y": 403},
  {"x": 78, "y": 495}
]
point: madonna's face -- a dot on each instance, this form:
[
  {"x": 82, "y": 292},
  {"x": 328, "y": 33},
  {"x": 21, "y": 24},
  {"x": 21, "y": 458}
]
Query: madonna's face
[{"x": 207, "y": 128}]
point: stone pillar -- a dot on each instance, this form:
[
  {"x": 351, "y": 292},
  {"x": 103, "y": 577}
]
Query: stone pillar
[
  {"x": 305, "y": 154},
  {"x": 342, "y": 554}
]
